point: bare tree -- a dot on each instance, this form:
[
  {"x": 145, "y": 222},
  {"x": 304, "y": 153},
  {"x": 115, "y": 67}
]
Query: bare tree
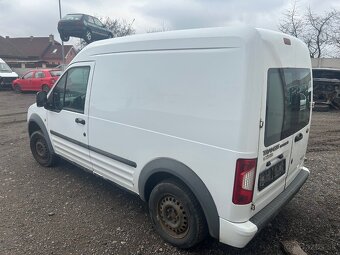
[
  {"x": 336, "y": 34},
  {"x": 118, "y": 27},
  {"x": 292, "y": 23},
  {"x": 316, "y": 30},
  {"x": 319, "y": 34}
]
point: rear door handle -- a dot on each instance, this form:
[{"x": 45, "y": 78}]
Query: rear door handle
[
  {"x": 298, "y": 137},
  {"x": 80, "y": 121}
]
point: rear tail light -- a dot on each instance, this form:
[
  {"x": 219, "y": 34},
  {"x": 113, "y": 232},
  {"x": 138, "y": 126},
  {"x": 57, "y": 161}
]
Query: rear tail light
[{"x": 244, "y": 181}]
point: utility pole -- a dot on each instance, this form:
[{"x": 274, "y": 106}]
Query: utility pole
[{"x": 62, "y": 42}]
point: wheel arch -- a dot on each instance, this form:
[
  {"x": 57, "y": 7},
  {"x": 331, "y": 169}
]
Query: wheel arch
[
  {"x": 163, "y": 168},
  {"x": 35, "y": 123}
]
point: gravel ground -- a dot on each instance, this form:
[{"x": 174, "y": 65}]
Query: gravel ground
[{"x": 64, "y": 210}]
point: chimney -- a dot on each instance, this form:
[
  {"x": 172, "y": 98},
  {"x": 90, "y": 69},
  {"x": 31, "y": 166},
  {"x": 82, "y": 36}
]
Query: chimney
[
  {"x": 31, "y": 38},
  {"x": 51, "y": 39},
  {"x": 7, "y": 37}
]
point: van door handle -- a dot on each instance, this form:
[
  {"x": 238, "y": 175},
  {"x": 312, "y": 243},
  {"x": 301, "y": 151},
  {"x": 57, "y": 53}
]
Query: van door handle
[
  {"x": 298, "y": 137},
  {"x": 80, "y": 121}
]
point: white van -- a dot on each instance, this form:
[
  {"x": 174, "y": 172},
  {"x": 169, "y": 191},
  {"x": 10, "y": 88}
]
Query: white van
[
  {"x": 7, "y": 76},
  {"x": 206, "y": 125}
]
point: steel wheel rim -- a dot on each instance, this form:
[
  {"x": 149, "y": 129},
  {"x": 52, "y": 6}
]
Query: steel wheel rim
[
  {"x": 88, "y": 35},
  {"x": 40, "y": 148},
  {"x": 173, "y": 216}
]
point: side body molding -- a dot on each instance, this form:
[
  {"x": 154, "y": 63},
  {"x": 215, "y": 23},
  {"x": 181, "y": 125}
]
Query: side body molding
[
  {"x": 189, "y": 177},
  {"x": 35, "y": 118}
]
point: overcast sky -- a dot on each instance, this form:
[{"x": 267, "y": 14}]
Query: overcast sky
[{"x": 20, "y": 18}]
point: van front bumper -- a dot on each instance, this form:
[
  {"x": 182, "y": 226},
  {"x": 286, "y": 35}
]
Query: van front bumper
[{"x": 239, "y": 234}]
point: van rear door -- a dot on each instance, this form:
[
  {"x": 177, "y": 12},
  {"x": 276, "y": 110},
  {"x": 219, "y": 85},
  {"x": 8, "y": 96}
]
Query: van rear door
[{"x": 284, "y": 136}]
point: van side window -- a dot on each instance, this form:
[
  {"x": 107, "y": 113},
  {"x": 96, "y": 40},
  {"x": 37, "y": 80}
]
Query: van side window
[
  {"x": 70, "y": 92},
  {"x": 57, "y": 97},
  {"x": 75, "y": 90}
]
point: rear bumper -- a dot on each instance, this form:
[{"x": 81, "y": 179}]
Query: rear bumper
[
  {"x": 72, "y": 31},
  {"x": 239, "y": 234}
]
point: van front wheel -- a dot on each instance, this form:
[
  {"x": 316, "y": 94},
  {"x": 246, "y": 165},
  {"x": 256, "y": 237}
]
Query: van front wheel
[
  {"x": 40, "y": 149},
  {"x": 176, "y": 214}
]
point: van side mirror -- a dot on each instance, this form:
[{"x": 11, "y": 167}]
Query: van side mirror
[{"x": 41, "y": 98}]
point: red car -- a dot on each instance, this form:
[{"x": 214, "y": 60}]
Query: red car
[{"x": 36, "y": 80}]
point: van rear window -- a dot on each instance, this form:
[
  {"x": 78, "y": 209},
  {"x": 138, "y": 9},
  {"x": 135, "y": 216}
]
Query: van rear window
[{"x": 288, "y": 102}]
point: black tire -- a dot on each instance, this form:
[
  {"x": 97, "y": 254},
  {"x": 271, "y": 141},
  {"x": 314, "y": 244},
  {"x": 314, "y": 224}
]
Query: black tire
[
  {"x": 88, "y": 36},
  {"x": 45, "y": 88},
  {"x": 176, "y": 214},
  {"x": 110, "y": 36},
  {"x": 17, "y": 88},
  {"x": 40, "y": 150},
  {"x": 64, "y": 38}
]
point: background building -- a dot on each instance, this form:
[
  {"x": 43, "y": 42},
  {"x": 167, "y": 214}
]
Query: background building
[{"x": 23, "y": 53}]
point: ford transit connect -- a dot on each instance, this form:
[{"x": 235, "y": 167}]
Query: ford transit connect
[{"x": 208, "y": 126}]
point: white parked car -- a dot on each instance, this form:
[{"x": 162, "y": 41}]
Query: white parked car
[
  {"x": 205, "y": 125},
  {"x": 7, "y": 76}
]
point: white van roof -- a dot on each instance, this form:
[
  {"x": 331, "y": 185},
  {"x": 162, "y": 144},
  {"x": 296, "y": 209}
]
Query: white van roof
[{"x": 220, "y": 37}]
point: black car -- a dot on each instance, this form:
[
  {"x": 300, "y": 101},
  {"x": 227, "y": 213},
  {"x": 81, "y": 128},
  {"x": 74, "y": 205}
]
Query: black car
[{"x": 82, "y": 26}]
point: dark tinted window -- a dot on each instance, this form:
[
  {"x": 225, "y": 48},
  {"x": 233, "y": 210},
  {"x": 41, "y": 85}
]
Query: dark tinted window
[
  {"x": 97, "y": 22},
  {"x": 288, "y": 102},
  {"x": 89, "y": 19},
  {"x": 326, "y": 74}
]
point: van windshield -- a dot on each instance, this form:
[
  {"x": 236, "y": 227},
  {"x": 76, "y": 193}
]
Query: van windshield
[
  {"x": 5, "y": 68},
  {"x": 288, "y": 102}
]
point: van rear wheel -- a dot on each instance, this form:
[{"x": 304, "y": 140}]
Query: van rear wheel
[
  {"x": 40, "y": 150},
  {"x": 176, "y": 214}
]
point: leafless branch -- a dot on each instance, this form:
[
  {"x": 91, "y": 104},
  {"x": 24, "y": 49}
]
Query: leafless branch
[{"x": 321, "y": 32}]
